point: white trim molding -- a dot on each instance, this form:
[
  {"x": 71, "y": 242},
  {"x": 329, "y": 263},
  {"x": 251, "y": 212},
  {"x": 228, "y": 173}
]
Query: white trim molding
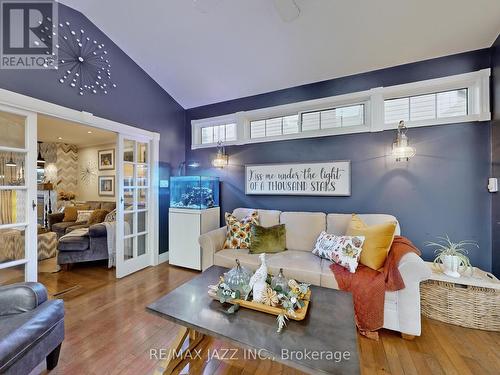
[
  {"x": 28, "y": 103},
  {"x": 478, "y": 109},
  {"x": 163, "y": 257},
  {"x": 30, "y": 107}
]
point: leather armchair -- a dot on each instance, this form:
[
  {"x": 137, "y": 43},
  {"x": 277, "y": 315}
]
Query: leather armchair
[{"x": 31, "y": 328}]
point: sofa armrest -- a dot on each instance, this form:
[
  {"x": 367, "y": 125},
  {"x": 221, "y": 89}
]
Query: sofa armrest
[
  {"x": 210, "y": 243},
  {"x": 413, "y": 269},
  {"x": 21, "y": 297},
  {"x": 98, "y": 230},
  {"x": 55, "y": 218}
]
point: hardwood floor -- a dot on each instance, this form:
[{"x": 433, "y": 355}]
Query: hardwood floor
[{"x": 108, "y": 331}]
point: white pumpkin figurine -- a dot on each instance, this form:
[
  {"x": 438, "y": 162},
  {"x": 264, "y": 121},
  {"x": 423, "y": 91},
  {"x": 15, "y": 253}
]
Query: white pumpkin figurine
[{"x": 258, "y": 280}]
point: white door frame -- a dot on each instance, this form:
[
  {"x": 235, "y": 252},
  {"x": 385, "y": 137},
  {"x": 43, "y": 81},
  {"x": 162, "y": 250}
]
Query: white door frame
[
  {"x": 126, "y": 267},
  {"x": 30, "y": 259},
  {"x": 37, "y": 106}
]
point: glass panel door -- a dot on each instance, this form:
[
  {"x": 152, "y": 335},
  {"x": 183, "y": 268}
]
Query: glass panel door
[
  {"x": 133, "y": 246},
  {"x": 18, "y": 258}
]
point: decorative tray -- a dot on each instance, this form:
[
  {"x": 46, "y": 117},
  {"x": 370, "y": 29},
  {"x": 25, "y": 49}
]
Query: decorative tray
[{"x": 299, "y": 314}]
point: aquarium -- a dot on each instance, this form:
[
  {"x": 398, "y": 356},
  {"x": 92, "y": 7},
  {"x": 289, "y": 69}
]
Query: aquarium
[{"x": 195, "y": 192}]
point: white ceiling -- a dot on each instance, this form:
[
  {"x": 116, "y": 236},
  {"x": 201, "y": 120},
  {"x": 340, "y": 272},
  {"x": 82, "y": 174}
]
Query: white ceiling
[
  {"x": 207, "y": 51},
  {"x": 52, "y": 129}
]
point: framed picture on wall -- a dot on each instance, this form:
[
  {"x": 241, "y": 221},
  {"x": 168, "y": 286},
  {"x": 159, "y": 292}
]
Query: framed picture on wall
[
  {"x": 106, "y": 159},
  {"x": 106, "y": 186},
  {"x": 329, "y": 178}
]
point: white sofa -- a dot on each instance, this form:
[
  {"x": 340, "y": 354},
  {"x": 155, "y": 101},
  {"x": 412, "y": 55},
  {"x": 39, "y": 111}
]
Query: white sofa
[{"x": 402, "y": 308}]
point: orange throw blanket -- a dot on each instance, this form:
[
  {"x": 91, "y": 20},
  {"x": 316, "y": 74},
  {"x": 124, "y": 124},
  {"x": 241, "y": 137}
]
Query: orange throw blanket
[{"x": 368, "y": 286}]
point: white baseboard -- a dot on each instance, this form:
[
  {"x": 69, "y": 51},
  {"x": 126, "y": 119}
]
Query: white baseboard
[{"x": 163, "y": 257}]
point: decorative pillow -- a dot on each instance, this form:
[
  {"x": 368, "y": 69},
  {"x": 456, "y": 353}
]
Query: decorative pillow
[
  {"x": 97, "y": 216},
  {"x": 267, "y": 240},
  {"x": 111, "y": 216},
  {"x": 238, "y": 231},
  {"x": 343, "y": 250},
  {"x": 83, "y": 216},
  {"x": 378, "y": 241},
  {"x": 70, "y": 213}
]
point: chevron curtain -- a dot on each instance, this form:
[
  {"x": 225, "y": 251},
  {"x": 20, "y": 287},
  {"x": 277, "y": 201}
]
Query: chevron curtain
[{"x": 7, "y": 207}]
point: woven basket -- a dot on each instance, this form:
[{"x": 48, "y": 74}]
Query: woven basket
[{"x": 463, "y": 305}]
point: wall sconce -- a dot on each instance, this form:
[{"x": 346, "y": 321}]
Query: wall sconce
[
  {"x": 221, "y": 159},
  {"x": 401, "y": 148}
]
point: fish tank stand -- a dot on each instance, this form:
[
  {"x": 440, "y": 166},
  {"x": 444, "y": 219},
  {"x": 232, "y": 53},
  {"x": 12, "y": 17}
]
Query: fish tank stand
[
  {"x": 185, "y": 226},
  {"x": 194, "y": 210}
]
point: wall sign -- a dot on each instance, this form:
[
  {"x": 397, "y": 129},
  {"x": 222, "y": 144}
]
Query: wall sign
[{"x": 332, "y": 178}]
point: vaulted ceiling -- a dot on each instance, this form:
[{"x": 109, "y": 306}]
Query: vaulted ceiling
[{"x": 207, "y": 51}]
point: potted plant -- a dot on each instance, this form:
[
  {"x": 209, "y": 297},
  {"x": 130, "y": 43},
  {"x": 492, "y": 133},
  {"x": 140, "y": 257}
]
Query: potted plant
[{"x": 452, "y": 255}]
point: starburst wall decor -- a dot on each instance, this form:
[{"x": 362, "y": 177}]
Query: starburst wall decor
[{"x": 83, "y": 62}]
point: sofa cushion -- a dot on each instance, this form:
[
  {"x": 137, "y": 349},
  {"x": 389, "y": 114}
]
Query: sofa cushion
[
  {"x": 378, "y": 241},
  {"x": 108, "y": 206},
  {"x": 70, "y": 214},
  {"x": 267, "y": 218},
  {"x": 327, "y": 277},
  {"x": 299, "y": 265},
  {"x": 73, "y": 243},
  {"x": 227, "y": 258},
  {"x": 76, "y": 226},
  {"x": 238, "y": 230},
  {"x": 303, "y": 229},
  {"x": 343, "y": 250},
  {"x": 94, "y": 205},
  {"x": 267, "y": 240},
  {"x": 60, "y": 228},
  {"x": 97, "y": 216},
  {"x": 84, "y": 215},
  {"x": 337, "y": 223},
  {"x": 98, "y": 230}
]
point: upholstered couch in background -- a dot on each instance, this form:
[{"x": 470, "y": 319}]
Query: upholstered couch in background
[
  {"x": 31, "y": 328},
  {"x": 56, "y": 223},
  {"x": 401, "y": 309},
  {"x": 85, "y": 248}
]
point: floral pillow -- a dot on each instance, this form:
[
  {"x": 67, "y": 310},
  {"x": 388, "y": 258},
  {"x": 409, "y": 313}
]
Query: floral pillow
[
  {"x": 83, "y": 216},
  {"x": 343, "y": 250},
  {"x": 238, "y": 231}
]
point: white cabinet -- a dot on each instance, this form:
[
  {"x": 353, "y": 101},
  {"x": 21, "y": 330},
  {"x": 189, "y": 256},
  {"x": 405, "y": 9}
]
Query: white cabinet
[{"x": 185, "y": 226}]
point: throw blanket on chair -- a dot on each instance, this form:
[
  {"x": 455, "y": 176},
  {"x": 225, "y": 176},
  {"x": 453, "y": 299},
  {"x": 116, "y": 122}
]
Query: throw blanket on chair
[
  {"x": 368, "y": 286},
  {"x": 111, "y": 238},
  {"x": 79, "y": 232}
]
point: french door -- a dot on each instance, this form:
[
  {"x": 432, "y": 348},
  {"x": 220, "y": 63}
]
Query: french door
[
  {"x": 135, "y": 245},
  {"x": 18, "y": 214}
]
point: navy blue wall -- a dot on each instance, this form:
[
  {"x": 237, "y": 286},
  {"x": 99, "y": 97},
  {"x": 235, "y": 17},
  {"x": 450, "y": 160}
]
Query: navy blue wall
[
  {"x": 138, "y": 100},
  {"x": 440, "y": 191},
  {"x": 495, "y": 155}
]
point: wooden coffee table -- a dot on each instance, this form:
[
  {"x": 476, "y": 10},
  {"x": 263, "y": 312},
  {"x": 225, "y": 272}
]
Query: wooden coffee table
[{"x": 324, "y": 342}]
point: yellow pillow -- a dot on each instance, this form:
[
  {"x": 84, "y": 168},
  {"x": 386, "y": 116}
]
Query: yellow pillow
[
  {"x": 378, "y": 241},
  {"x": 70, "y": 213}
]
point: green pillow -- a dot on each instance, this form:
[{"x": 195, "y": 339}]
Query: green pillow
[{"x": 267, "y": 240}]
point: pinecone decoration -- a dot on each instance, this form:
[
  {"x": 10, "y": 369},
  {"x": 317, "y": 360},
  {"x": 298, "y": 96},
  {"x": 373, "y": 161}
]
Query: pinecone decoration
[{"x": 270, "y": 298}]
